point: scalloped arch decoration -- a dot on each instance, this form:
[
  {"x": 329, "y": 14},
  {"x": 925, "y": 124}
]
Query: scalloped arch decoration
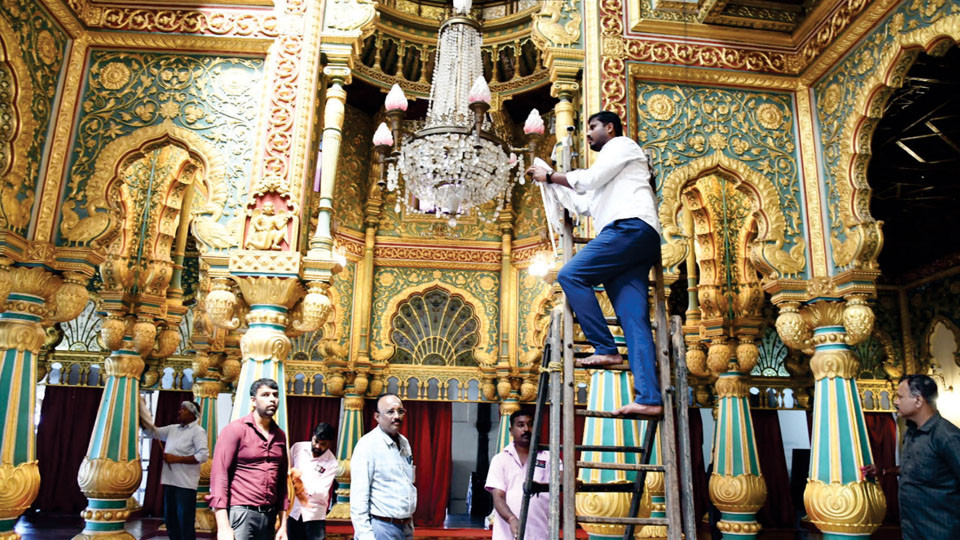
[
  {"x": 766, "y": 251},
  {"x": 482, "y": 352},
  {"x": 102, "y": 221},
  {"x": 864, "y": 238}
]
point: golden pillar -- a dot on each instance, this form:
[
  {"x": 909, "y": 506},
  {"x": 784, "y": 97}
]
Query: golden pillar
[
  {"x": 31, "y": 298},
  {"x": 838, "y": 501},
  {"x": 351, "y": 429},
  {"x": 338, "y": 76}
]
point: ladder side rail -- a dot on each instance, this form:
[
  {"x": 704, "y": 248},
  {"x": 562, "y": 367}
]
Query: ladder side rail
[
  {"x": 555, "y": 411},
  {"x": 569, "y": 383},
  {"x": 683, "y": 425},
  {"x": 528, "y": 486},
  {"x": 668, "y": 434}
]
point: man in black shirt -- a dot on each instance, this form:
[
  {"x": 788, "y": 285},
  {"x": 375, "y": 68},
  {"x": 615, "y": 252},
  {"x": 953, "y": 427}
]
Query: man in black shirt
[{"x": 930, "y": 465}]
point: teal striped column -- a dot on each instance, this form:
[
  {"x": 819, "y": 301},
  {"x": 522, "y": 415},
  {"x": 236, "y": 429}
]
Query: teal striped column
[
  {"x": 837, "y": 500},
  {"x": 206, "y": 389},
  {"x": 737, "y": 487},
  {"x": 111, "y": 470},
  {"x": 609, "y": 390},
  {"x": 508, "y": 406},
  {"x": 351, "y": 429},
  {"x": 21, "y": 336}
]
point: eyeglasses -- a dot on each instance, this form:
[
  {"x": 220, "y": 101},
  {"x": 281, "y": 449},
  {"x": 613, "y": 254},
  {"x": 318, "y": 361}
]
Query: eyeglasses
[{"x": 396, "y": 413}]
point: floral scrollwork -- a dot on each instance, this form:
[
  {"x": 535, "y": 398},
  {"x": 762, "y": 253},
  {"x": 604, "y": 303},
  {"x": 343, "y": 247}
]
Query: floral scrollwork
[
  {"x": 107, "y": 479},
  {"x": 144, "y": 335},
  {"x": 792, "y": 327},
  {"x": 313, "y": 310},
  {"x": 834, "y": 363},
  {"x": 221, "y": 303},
  {"x": 747, "y": 355},
  {"x": 741, "y": 493},
  {"x": 70, "y": 298},
  {"x": 113, "y": 329},
  {"x": 21, "y": 483},
  {"x": 855, "y": 508},
  {"x": 603, "y": 505},
  {"x": 167, "y": 341},
  {"x": 718, "y": 356}
]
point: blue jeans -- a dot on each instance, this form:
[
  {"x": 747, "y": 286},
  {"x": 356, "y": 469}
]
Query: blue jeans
[
  {"x": 620, "y": 258},
  {"x": 383, "y": 530},
  {"x": 179, "y": 511}
]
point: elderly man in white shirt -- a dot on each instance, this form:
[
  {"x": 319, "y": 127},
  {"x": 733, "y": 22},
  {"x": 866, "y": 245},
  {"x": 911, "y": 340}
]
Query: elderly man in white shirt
[
  {"x": 314, "y": 469},
  {"x": 184, "y": 449},
  {"x": 623, "y": 205},
  {"x": 382, "y": 495}
]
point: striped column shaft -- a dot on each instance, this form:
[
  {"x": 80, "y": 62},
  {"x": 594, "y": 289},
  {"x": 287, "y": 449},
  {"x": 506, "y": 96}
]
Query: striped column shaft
[
  {"x": 507, "y": 408},
  {"x": 351, "y": 429},
  {"x": 737, "y": 487},
  {"x": 206, "y": 389},
  {"x": 609, "y": 390},
  {"x": 838, "y": 501},
  {"x": 264, "y": 347},
  {"x": 111, "y": 470},
  {"x": 21, "y": 336}
]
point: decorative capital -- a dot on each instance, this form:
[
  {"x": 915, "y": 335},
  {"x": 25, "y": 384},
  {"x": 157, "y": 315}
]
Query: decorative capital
[
  {"x": 858, "y": 319},
  {"x": 732, "y": 386},
  {"x": 833, "y": 363},
  {"x": 339, "y": 75},
  {"x": 792, "y": 327}
]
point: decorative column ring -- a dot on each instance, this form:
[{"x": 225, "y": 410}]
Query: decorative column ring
[{"x": 837, "y": 500}]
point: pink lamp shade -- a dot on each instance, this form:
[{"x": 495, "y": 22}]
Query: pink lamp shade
[
  {"x": 396, "y": 101},
  {"x": 383, "y": 137},
  {"x": 479, "y": 91},
  {"x": 534, "y": 123}
]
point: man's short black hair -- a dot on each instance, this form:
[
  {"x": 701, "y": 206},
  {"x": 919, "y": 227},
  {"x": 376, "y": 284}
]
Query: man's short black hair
[
  {"x": 383, "y": 395},
  {"x": 324, "y": 432},
  {"x": 607, "y": 117},
  {"x": 269, "y": 383},
  {"x": 523, "y": 411},
  {"x": 922, "y": 386}
]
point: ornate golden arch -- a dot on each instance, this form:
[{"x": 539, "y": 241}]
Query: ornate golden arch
[
  {"x": 864, "y": 238},
  {"x": 15, "y": 214},
  {"x": 767, "y": 249},
  {"x": 481, "y": 352},
  {"x": 926, "y": 355},
  {"x": 103, "y": 220}
]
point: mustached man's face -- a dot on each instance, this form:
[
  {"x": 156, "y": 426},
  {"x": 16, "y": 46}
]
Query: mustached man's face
[
  {"x": 319, "y": 446},
  {"x": 522, "y": 430},
  {"x": 907, "y": 404},
  {"x": 184, "y": 416},
  {"x": 266, "y": 401},
  {"x": 598, "y": 134},
  {"x": 389, "y": 415}
]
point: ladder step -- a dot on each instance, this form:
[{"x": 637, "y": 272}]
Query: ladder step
[
  {"x": 581, "y": 239},
  {"x": 624, "y": 520},
  {"x": 611, "y": 321},
  {"x": 614, "y": 367},
  {"x": 604, "y": 414},
  {"x": 620, "y": 466},
  {"x": 601, "y": 448},
  {"x": 588, "y": 487}
]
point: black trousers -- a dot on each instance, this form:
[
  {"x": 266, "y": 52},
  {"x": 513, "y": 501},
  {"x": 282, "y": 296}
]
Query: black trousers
[
  {"x": 179, "y": 511},
  {"x": 306, "y": 530},
  {"x": 249, "y": 524}
]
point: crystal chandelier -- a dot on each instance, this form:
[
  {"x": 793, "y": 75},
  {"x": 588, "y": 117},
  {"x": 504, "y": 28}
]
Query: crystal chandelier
[{"x": 454, "y": 162}]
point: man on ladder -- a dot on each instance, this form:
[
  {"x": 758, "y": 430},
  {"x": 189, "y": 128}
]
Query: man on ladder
[{"x": 623, "y": 205}]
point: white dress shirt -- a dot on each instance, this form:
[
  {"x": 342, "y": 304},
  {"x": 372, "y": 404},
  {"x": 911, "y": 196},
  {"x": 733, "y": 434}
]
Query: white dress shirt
[
  {"x": 618, "y": 183},
  {"x": 188, "y": 440},
  {"x": 381, "y": 481},
  {"x": 317, "y": 474}
]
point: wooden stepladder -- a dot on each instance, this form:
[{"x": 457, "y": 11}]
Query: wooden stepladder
[{"x": 557, "y": 383}]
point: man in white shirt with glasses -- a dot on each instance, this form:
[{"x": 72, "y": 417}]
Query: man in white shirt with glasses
[{"x": 382, "y": 495}]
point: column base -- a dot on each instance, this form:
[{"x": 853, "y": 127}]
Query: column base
[
  {"x": 205, "y": 520},
  {"x": 104, "y": 519},
  {"x": 6, "y": 529},
  {"x": 340, "y": 510},
  {"x": 736, "y": 526}
]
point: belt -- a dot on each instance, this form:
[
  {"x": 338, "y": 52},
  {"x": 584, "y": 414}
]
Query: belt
[
  {"x": 396, "y": 521},
  {"x": 262, "y": 508}
]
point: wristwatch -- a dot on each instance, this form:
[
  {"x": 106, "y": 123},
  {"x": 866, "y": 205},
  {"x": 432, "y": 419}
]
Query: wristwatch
[{"x": 549, "y": 174}]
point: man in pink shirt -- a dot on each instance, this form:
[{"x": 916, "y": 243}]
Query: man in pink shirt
[
  {"x": 505, "y": 481},
  {"x": 314, "y": 468}
]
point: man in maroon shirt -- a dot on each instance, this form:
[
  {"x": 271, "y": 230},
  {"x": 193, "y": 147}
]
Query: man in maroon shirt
[{"x": 248, "y": 481}]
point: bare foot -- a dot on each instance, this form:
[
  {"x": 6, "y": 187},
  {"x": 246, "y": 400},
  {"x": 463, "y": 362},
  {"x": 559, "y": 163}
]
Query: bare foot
[
  {"x": 599, "y": 360},
  {"x": 637, "y": 408}
]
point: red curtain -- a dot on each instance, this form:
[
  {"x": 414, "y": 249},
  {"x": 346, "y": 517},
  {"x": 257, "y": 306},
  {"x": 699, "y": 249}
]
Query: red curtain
[
  {"x": 428, "y": 426},
  {"x": 167, "y": 406},
  {"x": 67, "y": 416},
  {"x": 777, "y": 511},
  {"x": 305, "y": 412},
  {"x": 882, "y": 430}
]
